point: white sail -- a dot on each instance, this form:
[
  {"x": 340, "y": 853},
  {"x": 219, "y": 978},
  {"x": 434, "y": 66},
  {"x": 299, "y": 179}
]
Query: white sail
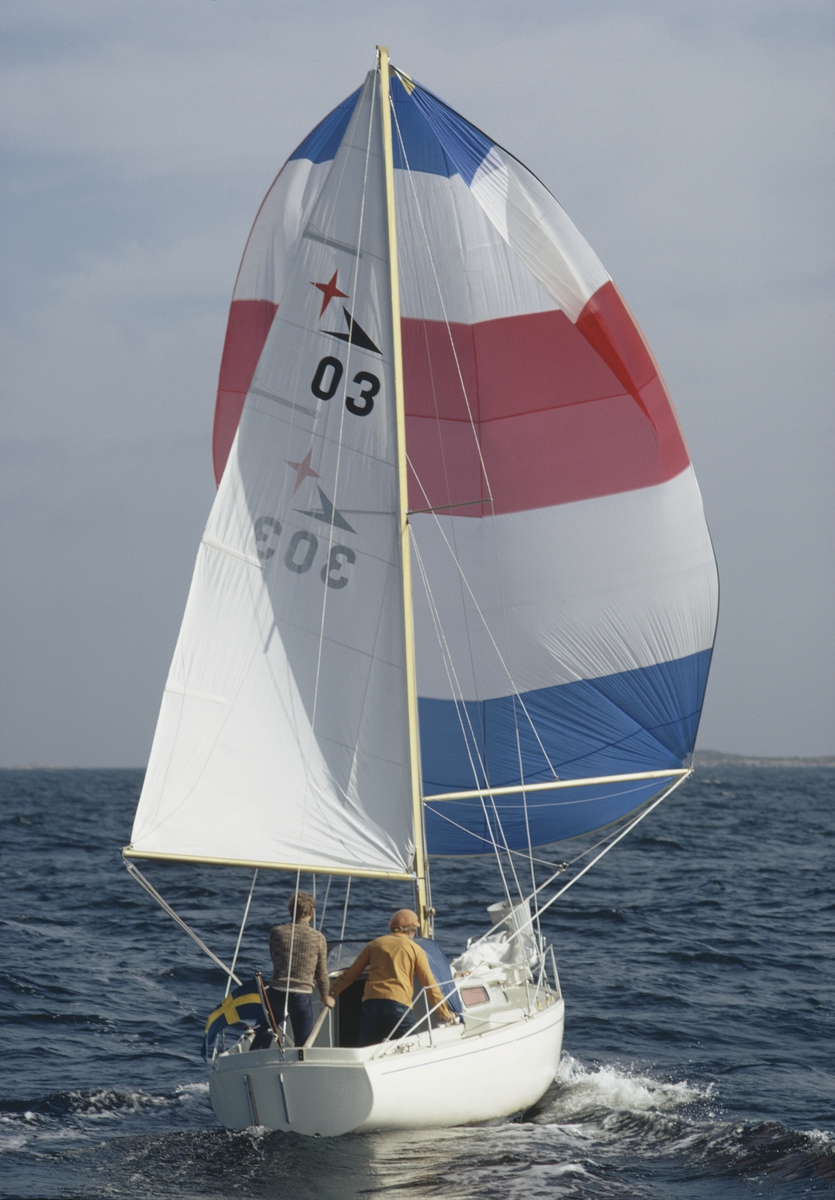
[{"x": 282, "y": 737}]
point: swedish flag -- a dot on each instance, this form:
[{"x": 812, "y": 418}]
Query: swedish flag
[{"x": 242, "y": 1004}]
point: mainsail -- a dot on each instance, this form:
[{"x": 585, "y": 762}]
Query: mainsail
[{"x": 565, "y": 589}]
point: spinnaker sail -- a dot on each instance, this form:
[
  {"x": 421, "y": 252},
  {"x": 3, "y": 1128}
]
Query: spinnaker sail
[{"x": 565, "y": 590}]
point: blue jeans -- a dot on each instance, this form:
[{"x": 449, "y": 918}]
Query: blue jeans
[
  {"x": 300, "y": 1008},
  {"x": 379, "y": 1017}
]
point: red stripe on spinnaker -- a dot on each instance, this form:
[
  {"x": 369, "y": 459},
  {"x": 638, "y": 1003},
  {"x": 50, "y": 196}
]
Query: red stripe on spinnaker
[
  {"x": 533, "y": 411},
  {"x": 246, "y": 332}
]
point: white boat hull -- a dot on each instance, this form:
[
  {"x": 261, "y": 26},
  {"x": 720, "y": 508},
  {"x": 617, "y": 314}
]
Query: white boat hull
[{"x": 456, "y": 1077}]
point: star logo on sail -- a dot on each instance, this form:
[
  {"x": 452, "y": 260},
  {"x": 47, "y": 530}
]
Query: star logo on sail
[
  {"x": 355, "y": 335},
  {"x": 303, "y": 470},
  {"x": 329, "y": 292}
]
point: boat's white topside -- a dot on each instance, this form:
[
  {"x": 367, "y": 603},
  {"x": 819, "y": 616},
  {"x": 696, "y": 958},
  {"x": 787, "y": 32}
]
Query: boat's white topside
[{"x": 498, "y": 1060}]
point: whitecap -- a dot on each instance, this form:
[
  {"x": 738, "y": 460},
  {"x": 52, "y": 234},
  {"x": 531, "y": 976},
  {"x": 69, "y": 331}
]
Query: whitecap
[{"x": 617, "y": 1089}]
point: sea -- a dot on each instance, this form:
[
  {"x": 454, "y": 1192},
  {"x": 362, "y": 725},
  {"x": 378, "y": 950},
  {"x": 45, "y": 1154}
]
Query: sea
[{"x": 696, "y": 960}]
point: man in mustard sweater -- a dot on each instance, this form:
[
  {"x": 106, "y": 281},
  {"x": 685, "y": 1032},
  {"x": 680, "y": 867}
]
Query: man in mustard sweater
[{"x": 393, "y": 961}]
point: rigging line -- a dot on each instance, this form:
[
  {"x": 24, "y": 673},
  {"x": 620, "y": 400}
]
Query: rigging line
[
  {"x": 438, "y": 291},
  {"x": 416, "y": 283},
  {"x": 418, "y": 512},
  {"x": 629, "y": 828},
  {"x": 645, "y": 813},
  {"x": 447, "y": 323},
  {"x": 557, "y": 868},
  {"x": 470, "y": 742},
  {"x": 240, "y": 934},
  {"x": 471, "y": 833},
  {"x": 274, "y": 568},
  {"x": 325, "y": 902},
  {"x": 152, "y": 891},
  {"x": 524, "y": 801},
  {"x": 330, "y": 544},
  {"x": 483, "y": 465},
  {"x": 324, "y": 607},
  {"x": 345, "y": 911},
  {"x": 307, "y": 333},
  {"x": 321, "y": 251},
  {"x": 514, "y": 689},
  {"x": 477, "y": 443},
  {"x": 423, "y": 904},
  {"x": 428, "y": 248},
  {"x": 331, "y": 531}
]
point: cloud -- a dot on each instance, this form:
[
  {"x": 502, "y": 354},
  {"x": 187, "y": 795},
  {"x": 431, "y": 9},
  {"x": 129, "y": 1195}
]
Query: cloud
[{"x": 690, "y": 142}]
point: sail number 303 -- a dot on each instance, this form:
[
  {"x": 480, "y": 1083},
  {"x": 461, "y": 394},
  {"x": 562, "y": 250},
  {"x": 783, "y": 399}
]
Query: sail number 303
[
  {"x": 328, "y": 377},
  {"x": 301, "y": 551}
]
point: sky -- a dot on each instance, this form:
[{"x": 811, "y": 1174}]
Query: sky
[{"x": 691, "y": 142}]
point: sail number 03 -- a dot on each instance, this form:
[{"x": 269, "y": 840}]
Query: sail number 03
[
  {"x": 327, "y": 379},
  {"x": 303, "y": 545}
]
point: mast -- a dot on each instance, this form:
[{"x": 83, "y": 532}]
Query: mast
[{"x": 421, "y": 888}]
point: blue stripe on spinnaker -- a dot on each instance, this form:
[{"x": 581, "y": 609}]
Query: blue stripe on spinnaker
[
  {"x": 429, "y": 136},
  {"x": 322, "y": 143},
  {"x": 642, "y": 720}
]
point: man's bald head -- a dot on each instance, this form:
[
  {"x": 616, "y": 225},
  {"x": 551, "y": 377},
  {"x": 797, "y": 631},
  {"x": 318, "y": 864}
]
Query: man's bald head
[{"x": 404, "y": 921}]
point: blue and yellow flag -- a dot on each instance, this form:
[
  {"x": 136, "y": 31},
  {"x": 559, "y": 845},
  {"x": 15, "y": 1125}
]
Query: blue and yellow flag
[{"x": 242, "y": 1004}]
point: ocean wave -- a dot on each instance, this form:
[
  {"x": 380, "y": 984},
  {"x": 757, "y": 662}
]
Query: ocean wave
[
  {"x": 578, "y": 1089},
  {"x": 80, "y": 1115},
  {"x": 656, "y": 1118},
  {"x": 694, "y": 993}
]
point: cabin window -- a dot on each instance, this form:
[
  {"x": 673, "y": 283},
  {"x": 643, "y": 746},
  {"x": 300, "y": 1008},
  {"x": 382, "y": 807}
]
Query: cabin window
[{"x": 474, "y": 995}]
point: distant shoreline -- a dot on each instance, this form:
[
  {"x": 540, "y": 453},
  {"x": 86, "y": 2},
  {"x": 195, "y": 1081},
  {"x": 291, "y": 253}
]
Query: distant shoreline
[
  {"x": 717, "y": 758},
  {"x": 701, "y": 758}
]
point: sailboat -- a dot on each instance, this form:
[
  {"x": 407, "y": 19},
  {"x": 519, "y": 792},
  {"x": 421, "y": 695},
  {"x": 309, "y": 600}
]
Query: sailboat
[{"x": 456, "y": 594}]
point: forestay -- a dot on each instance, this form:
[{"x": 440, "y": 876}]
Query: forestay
[
  {"x": 565, "y": 587},
  {"x": 282, "y": 734}
]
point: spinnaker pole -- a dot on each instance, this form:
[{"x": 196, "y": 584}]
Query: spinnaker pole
[{"x": 421, "y": 882}]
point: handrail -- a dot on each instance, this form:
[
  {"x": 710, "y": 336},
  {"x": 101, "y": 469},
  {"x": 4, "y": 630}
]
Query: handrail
[{"x": 426, "y": 1017}]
